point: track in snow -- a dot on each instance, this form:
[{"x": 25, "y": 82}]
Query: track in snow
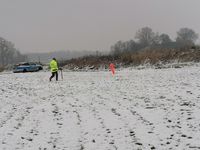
[{"x": 136, "y": 109}]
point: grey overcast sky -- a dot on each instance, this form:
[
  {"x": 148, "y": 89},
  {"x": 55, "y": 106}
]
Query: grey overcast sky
[{"x": 50, "y": 25}]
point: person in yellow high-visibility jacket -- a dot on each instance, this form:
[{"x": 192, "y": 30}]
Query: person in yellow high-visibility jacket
[{"x": 54, "y": 69}]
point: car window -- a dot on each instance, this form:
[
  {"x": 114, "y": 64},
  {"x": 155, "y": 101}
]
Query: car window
[{"x": 25, "y": 64}]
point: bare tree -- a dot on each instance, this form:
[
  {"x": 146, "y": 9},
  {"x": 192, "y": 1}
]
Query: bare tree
[
  {"x": 145, "y": 36},
  {"x": 118, "y": 48},
  {"x": 3, "y": 50},
  {"x": 164, "y": 39},
  {"x": 8, "y": 53},
  {"x": 186, "y": 36}
]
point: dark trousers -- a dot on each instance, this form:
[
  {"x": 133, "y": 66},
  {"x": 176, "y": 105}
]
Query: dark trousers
[{"x": 53, "y": 74}]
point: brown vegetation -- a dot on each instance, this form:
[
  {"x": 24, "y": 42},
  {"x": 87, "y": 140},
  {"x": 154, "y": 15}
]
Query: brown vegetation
[
  {"x": 151, "y": 56},
  {"x": 1, "y": 69}
]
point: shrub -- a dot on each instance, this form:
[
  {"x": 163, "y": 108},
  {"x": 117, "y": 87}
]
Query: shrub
[{"x": 1, "y": 69}]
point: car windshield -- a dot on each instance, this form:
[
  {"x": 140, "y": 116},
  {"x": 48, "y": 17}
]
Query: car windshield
[
  {"x": 31, "y": 63},
  {"x": 24, "y": 64}
]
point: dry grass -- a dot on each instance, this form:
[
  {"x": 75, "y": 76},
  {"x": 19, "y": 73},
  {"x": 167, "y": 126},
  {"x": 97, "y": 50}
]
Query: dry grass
[
  {"x": 161, "y": 55},
  {"x": 153, "y": 56}
]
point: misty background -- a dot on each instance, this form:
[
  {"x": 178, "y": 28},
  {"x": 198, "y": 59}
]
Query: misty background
[{"x": 71, "y": 28}]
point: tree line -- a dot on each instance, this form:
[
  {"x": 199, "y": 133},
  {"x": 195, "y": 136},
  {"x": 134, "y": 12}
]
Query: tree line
[
  {"x": 9, "y": 54},
  {"x": 148, "y": 48},
  {"x": 146, "y": 38}
]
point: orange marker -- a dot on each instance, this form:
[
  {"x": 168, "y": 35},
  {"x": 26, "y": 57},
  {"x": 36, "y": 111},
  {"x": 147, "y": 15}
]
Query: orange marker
[{"x": 112, "y": 68}]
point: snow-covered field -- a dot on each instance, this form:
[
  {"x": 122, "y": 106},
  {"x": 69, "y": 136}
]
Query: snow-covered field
[{"x": 135, "y": 109}]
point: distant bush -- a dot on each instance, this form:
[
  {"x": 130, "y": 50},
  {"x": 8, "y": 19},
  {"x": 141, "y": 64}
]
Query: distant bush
[
  {"x": 93, "y": 62},
  {"x": 160, "y": 55},
  {"x": 1, "y": 69},
  {"x": 150, "y": 56}
]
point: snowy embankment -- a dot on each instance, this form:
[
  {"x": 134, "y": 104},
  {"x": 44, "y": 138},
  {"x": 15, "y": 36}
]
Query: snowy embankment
[{"x": 135, "y": 109}]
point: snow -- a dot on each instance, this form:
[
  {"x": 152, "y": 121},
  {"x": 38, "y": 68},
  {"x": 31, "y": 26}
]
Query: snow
[{"x": 134, "y": 109}]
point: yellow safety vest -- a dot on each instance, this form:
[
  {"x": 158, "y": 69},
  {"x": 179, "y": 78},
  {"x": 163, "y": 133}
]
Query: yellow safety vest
[{"x": 53, "y": 66}]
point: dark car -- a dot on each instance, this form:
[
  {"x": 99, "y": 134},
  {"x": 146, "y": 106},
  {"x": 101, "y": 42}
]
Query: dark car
[{"x": 27, "y": 67}]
